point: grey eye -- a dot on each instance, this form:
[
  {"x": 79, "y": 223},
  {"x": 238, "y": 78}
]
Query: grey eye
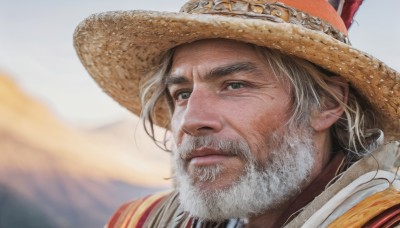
[
  {"x": 183, "y": 95},
  {"x": 235, "y": 85}
]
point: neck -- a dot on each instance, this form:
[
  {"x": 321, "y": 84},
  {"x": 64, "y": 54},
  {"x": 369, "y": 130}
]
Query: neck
[{"x": 267, "y": 219}]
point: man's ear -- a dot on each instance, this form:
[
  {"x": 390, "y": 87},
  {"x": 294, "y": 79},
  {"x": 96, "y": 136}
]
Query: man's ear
[{"x": 331, "y": 110}]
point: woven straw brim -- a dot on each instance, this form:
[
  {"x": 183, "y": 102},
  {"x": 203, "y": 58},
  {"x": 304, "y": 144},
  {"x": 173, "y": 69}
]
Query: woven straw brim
[{"x": 119, "y": 48}]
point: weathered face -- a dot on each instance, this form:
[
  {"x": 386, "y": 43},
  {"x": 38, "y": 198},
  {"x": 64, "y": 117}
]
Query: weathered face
[
  {"x": 226, "y": 90},
  {"x": 229, "y": 127}
]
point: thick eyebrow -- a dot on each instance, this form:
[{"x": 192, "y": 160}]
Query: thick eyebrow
[
  {"x": 175, "y": 80},
  {"x": 217, "y": 72}
]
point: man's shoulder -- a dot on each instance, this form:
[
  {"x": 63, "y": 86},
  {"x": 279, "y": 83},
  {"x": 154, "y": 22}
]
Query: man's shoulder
[
  {"x": 367, "y": 192},
  {"x": 146, "y": 211}
]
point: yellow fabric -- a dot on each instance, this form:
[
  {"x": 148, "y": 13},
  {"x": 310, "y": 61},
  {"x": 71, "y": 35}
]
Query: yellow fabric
[
  {"x": 368, "y": 208},
  {"x": 143, "y": 207}
]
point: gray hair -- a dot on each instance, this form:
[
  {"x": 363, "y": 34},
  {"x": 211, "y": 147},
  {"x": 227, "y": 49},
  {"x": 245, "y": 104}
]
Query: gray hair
[{"x": 309, "y": 89}]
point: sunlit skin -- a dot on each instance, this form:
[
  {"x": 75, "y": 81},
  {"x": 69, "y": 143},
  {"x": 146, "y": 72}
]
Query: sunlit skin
[{"x": 225, "y": 89}]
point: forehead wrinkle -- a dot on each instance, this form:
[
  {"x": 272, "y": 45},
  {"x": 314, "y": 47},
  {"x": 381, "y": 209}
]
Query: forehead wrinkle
[
  {"x": 217, "y": 72},
  {"x": 231, "y": 69}
]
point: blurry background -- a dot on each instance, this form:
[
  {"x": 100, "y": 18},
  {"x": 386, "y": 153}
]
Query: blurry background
[{"x": 69, "y": 155}]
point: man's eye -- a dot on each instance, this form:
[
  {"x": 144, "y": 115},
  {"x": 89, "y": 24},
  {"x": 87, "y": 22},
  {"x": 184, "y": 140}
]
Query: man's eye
[
  {"x": 182, "y": 95},
  {"x": 235, "y": 85}
]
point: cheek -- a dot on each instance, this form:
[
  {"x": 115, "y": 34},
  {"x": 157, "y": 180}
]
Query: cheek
[
  {"x": 176, "y": 121},
  {"x": 259, "y": 124},
  {"x": 174, "y": 124},
  {"x": 269, "y": 122},
  {"x": 270, "y": 118}
]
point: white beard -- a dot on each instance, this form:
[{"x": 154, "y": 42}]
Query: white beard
[{"x": 263, "y": 186}]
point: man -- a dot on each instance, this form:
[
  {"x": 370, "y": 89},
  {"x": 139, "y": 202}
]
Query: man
[{"x": 275, "y": 119}]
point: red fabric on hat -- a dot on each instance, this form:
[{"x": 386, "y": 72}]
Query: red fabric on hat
[{"x": 318, "y": 8}]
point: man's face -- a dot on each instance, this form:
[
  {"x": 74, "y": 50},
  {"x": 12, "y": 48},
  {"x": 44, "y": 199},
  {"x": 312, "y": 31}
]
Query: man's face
[
  {"x": 226, "y": 90},
  {"x": 230, "y": 115}
]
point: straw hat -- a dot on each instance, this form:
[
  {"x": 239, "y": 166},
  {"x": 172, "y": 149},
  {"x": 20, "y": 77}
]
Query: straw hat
[{"x": 119, "y": 48}]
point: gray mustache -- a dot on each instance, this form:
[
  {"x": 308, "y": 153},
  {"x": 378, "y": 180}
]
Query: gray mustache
[{"x": 234, "y": 147}]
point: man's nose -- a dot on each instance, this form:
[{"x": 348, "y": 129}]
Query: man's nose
[{"x": 202, "y": 116}]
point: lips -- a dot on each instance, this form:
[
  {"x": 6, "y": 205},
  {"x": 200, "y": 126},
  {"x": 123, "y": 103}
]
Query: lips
[
  {"x": 206, "y": 156},
  {"x": 203, "y": 152}
]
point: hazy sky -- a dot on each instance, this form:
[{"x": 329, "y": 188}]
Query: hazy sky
[{"x": 36, "y": 49}]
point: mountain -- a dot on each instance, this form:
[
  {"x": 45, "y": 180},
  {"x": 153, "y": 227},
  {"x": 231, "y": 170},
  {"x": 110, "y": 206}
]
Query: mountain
[{"x": 54, "y": 175}]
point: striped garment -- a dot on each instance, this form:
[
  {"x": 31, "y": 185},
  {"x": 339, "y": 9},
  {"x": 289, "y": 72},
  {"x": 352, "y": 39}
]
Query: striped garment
[{"x": 160, "y": 210}]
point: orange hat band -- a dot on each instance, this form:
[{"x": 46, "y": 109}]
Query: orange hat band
[{"x": 275, "y": 12}]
